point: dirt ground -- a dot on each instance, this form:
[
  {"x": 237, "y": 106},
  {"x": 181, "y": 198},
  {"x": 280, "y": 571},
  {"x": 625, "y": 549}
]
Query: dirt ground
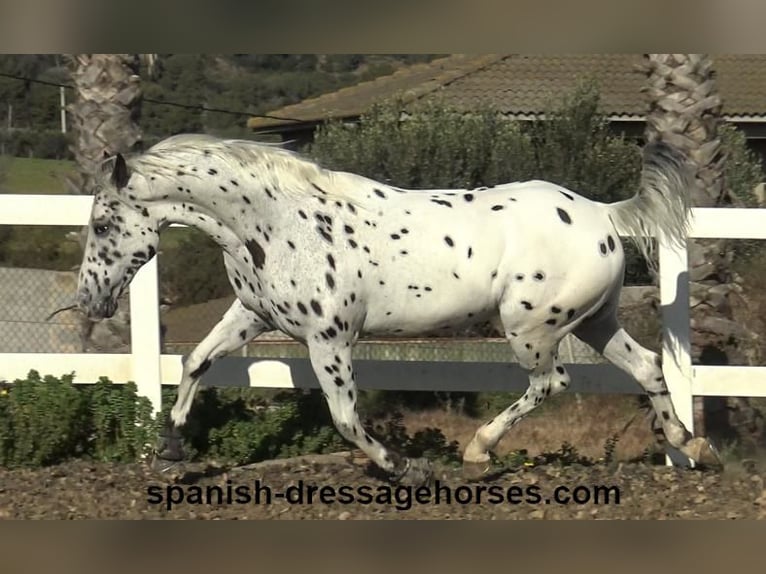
[
  {"x": 80, "y": 490},
  {"x": 344, "y": 488}
]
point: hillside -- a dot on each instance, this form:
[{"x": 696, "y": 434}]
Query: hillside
[{"x": 238, "y": 85}]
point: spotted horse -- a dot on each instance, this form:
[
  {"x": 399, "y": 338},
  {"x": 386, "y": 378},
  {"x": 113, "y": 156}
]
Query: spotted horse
[{"x": 327, "y": 257}]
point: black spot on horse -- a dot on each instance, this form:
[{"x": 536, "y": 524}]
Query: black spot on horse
[
  {"x": 564, "y": 216},
  {"x": 316, "y": 307},
  {"x": 497, "y": 207},
  {"x": 610, "y": 242},
  {"x": 212, "y": 171},
  {"x": 565, "y": 194},
  {"x": 448, "y": 241},
  {"x": 379, "y": 193},
  {"x": 527, "y": 305},
  {"x": 330, "y": 280},
  {"x": 302, "y": 214},
  {"x": 199, "y": 371},
  {"x": 468, "y": 197},
  {"x": 319, "y": 189},
  {"x": 331, "y": 261},
  {"x": 555, "y": 309},
  {"x": 302, "y": 308},
  {"x": 348, "y": 229},
  {"x": 257, "y": 253},
  {"x": 443, "y": 202},
  {"x": 326, "y": 236},
  {"x": 602, "y": 247}
]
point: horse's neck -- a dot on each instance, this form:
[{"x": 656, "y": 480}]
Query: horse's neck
[{"x": 216, "y": 213}]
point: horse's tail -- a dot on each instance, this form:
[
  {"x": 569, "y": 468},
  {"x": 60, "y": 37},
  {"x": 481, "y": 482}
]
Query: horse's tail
[{"x": 660, "y": 208}]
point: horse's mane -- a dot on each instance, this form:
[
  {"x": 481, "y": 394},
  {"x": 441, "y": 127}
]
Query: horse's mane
[{"x": 295, "y": 173}]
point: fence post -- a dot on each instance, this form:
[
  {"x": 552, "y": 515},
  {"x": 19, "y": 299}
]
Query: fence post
[
  {"x": 676, "y": 333},
  {"x": 145, "y": 333}
]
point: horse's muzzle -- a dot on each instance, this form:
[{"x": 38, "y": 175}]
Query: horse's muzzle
[{"x": 98, "y": 309}]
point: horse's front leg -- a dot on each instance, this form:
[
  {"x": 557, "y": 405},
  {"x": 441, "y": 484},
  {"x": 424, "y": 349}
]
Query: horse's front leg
[{"x": 237, "y": 327}]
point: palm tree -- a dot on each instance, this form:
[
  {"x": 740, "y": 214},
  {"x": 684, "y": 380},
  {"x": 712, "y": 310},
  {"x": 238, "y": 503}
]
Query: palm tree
[
  {"x": 104, "y": 118},
  {"x": 685, "y": 111}
]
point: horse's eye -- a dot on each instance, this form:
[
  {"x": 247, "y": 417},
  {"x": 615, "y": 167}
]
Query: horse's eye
[{"x": 100, "y": 228}]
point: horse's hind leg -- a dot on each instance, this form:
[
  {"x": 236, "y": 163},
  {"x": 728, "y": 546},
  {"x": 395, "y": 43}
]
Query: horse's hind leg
[
  {"x": 604, "y": 334},
  {"x": 237, "y": 326},
  {"x": 331, "y": 362},
  {"x": 547, "y": 376}
]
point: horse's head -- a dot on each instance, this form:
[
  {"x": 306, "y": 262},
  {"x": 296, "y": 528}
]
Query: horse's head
[{"x": 122, "y": 236}]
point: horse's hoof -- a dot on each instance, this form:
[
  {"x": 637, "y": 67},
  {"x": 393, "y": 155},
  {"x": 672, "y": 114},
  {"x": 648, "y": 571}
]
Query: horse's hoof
[
  {"x": 417, "y": 472},
  {"x": 703, "y": 453},
  {"x": 162, "y": 465},
  {"x": 476, "y": 470}
]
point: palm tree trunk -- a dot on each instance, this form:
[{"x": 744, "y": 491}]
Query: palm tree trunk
[
  {"x": 685, "y": 111},
  {"x": 104, "y": 117}
]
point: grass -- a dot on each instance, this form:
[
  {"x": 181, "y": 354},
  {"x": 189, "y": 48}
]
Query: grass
[
  {"x": 587, "y": 424},
  {"x": 35, "y": 176}
]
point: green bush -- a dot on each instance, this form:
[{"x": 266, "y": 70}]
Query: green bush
[
  {"x": 44, "y": 144},
  {"x": 42, "y": 421},
  {"x": 47, "y": 420},
  {"x": 191, "y": 269},
  {"x": 121, "y": 422},
  {"x": 293, "y": 423},
  {"x": 38, "y": 247}
]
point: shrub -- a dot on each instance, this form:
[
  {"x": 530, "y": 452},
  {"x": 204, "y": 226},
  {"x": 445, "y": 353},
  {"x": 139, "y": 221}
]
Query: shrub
[
  {"x": 48, "y": 420},
  {"x": 121, "y": 422},
  {"x": 42, "y": 421},
  {"x": 44, "y": 144},
  {"x": 191, "y": 269},
  {"x": 294, "y": 423}
]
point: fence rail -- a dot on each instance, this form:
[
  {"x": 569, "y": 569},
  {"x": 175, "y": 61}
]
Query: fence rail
[{"x": 150, "y": 369}]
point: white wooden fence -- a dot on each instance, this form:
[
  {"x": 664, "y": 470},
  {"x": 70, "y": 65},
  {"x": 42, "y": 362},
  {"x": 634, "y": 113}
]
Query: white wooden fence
[{"x": 150, "y": 369}]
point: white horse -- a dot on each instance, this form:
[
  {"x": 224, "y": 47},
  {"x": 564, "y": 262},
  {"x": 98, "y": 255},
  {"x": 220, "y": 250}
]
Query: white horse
[{"x": 327, "y": 256}]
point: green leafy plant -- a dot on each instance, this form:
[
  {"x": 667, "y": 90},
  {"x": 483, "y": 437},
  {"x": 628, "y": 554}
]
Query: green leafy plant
[
  {"x": 122, "y": 426},
  {"x": 429, "y": 442},
  {"x": 47, "y": 420},
  {"x": 291, "y": 424},
  {"x": 43, "y": 421}
]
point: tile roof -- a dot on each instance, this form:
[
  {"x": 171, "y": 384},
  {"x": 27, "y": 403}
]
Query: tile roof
[
  {"x": 525, "y": 84},
  {"x": 411, "y": 82}
]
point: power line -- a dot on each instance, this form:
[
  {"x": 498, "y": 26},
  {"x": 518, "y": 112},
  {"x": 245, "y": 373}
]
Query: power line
[{"x": 198, "y": 107}]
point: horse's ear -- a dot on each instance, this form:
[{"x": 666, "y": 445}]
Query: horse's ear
[{"x": 120, "y": 174}]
